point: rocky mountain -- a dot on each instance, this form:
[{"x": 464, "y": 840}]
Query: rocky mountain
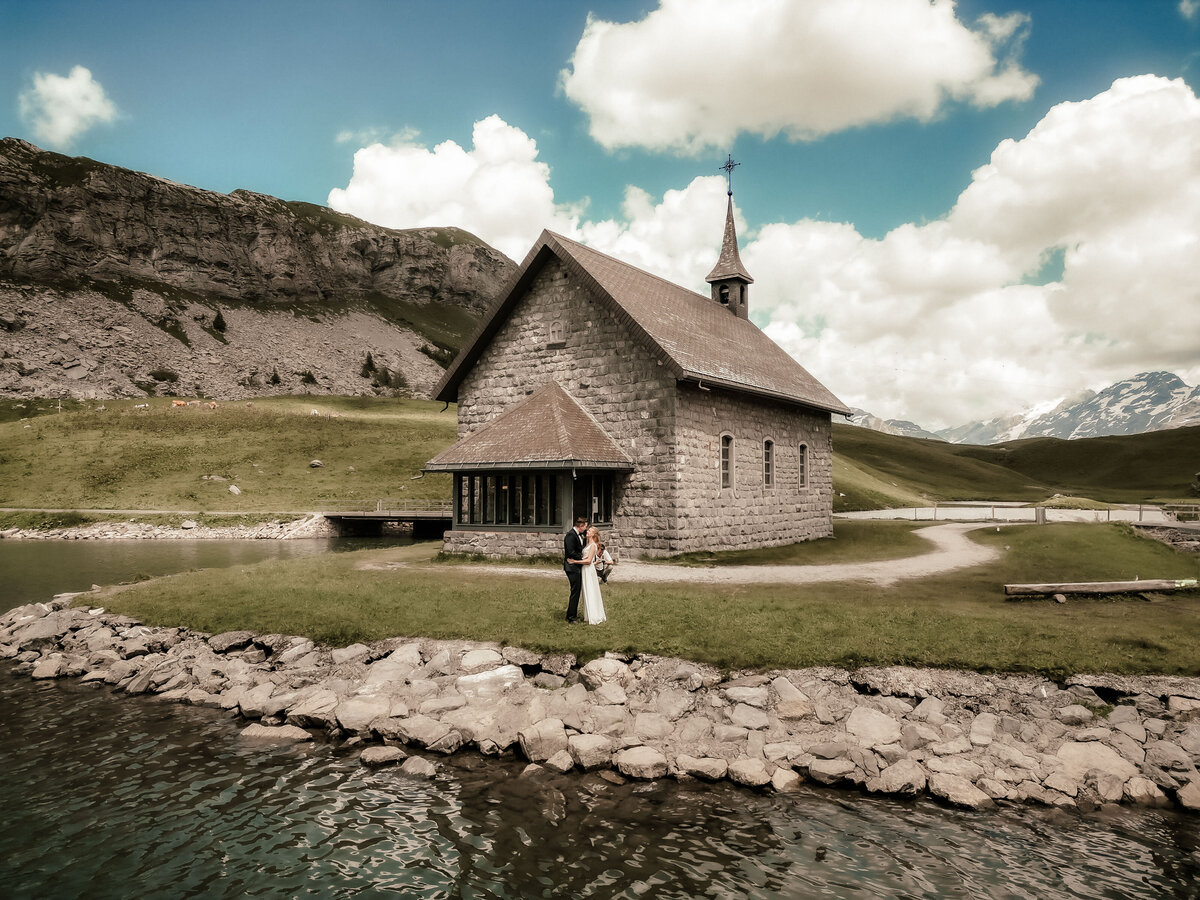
[
  {"x": 891, "y": 426},
  {"x": 1151, "y": 401},
  {"x": 118, "y": 283}
]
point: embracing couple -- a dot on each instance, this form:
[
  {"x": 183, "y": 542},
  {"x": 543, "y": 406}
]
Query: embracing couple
[{"x": 582, "y": 553}]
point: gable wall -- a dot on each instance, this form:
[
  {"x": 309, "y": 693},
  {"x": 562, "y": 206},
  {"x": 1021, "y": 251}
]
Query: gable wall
[
  {"x": 609, "y": 373},
  {"x": 749, "y": 515}
]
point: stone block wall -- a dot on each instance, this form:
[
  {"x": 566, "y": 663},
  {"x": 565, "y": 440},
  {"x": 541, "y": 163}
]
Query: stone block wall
[
  {"x": 559, "y": 332},
  {"x": 504, "y": 544},
  {"x": 749, "y": 514}
]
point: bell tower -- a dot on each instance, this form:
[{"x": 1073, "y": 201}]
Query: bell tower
[{"x": 729, "y": 279}]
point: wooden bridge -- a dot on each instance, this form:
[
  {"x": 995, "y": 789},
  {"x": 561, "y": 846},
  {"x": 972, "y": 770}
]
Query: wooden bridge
[{"x": 429, "y": 518}]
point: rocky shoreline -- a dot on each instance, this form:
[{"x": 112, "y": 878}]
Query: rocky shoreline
[
  {"x": 313, "y": 525},
  {"x": 968, "y": 739}
]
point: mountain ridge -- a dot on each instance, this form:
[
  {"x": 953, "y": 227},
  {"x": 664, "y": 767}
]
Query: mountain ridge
[
  {"x": 1148, "y": 401},
  {"x": 111, "y": 283}
]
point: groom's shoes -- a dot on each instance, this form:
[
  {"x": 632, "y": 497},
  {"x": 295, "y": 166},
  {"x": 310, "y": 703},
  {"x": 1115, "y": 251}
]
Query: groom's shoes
[{"x": 572, "y": 620}]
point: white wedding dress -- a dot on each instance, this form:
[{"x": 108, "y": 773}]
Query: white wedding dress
[{"x": 593, "y": 604}]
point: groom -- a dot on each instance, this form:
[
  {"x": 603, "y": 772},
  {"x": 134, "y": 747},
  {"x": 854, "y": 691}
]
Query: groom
[{"x": 572, "y": 561}]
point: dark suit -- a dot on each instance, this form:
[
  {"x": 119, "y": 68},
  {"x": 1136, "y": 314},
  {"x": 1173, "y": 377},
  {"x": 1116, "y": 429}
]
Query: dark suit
[{"x": 573, "y": 549}]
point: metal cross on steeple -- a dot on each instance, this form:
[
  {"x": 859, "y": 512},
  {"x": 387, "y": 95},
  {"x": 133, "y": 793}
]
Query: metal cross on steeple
[{"x": 728, "y": 169}]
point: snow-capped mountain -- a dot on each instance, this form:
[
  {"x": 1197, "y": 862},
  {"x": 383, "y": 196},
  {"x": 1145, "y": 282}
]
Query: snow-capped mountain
[
  {"x": 892, "y": 426},
  {"x": 1151, "y": 401}
]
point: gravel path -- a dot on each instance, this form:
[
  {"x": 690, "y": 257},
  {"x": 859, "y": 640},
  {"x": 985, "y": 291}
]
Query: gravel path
[{"x": 952, "y": 550}]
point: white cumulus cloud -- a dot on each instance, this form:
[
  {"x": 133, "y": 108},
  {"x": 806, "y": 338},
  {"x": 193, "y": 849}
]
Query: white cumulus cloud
[
  {"x": 696, "y": 73},
  {"x": 59, "y": 108},
  {"x": 941, "y": 322},
  {"x": 497, "y": 189},
  {"x": 1189, "y": 8}
]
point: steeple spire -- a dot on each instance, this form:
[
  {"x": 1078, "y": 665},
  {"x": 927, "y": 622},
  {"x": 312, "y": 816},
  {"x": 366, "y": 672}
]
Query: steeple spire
[{"x": 729, "y": 278}]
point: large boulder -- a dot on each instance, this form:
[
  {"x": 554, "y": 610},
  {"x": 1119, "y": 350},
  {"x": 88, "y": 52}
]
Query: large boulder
[
  {"x": 278, "y": 733},
  {"x": 604, "y": 671},
  {"x": 590, "y": 751},
  {"x": 872, "y": 728},
  {"x": 480, "y": 660},
  {"x": 904, "y": 777},
  {"x": 750, "y": 772},
  {"x": 641, "y": 762},
  {"x": 1076, "y": 759},
  {"x": 957, "y": 790},
  {"x": 543, "y": 739},
  {"x": 701, "y": 767}
]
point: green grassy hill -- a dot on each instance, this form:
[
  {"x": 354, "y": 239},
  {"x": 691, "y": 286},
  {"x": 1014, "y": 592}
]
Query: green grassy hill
[
  {"x": 873, "y": 469},
  {"x": 121, "y": 457}
]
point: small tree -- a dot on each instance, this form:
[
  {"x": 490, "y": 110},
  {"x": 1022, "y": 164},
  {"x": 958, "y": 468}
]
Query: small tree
[
  {"x": 275, "y": 379},
  {"x": 368, "y": 366},
  {"x": 219, "y": 322}
]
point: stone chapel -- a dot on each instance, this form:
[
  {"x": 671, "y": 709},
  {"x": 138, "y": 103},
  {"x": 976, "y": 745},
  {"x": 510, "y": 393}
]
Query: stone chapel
[{"x": 666, "y": 417}]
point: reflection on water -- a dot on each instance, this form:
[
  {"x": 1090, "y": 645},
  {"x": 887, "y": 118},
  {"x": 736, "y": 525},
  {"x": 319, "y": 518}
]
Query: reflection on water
[
  {"x": 34, "y": 571},
  {"x": 111, "y": 796}
]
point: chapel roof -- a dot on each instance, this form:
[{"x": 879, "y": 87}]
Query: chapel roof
[
  {"x": 696, "y": 338},
  {"x": 548, "y": 429}
]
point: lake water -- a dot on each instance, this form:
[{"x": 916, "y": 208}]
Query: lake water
[
  {"x": 113, "y": 796},
  {"x": 34, "y": 571}
]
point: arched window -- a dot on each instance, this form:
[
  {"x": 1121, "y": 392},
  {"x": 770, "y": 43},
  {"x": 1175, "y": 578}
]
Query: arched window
[
  {"x": 803, "y": 467},
  {"x": 726, "y": 461},
  {"x": 556, "y": 332},
  {"x": 723, "y": 293},
  {"x": 768, "y": 463}
]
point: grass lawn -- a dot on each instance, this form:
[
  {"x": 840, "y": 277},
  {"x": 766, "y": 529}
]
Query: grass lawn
[
  {"x": 853, "y": 541},
  {"x": 125, "y": 458},
  {"x": 959, "y": 620}
]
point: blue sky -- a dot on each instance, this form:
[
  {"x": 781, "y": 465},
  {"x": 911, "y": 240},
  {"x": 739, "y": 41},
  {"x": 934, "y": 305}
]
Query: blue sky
[{"x": 884, "y": 261}]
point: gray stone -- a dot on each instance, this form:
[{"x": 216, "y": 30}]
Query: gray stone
[
  {"x": 280, "y": 733},
  {"x": 641, "y": 762},
  {"x": 381, "y": 756},
  {"x": 603, "y": 671},
  {"x": 558, "y": 664},
  {"x": 955, "y": 765},
  {"x": 590, "y": 751},
  {"x": 958, "y": 791},
  {"x": 784, "y": 780},
  {"x": 480, "y": 660},
  {"x": 610, "y": 694},
  {"x": 794, "y": 709},
  {"x": 420, "y": 730},
  {"x": 355, "y": 714},
  {"x": 651, "y": 726},
  {"x": 543, "y": 739},
  {"x": 872, "y": 728},
  {"x": 830, "y": 750},
  {"x": 1077, "y": 759},
  {"x": 1123, "y": 714},
  {"x": 1060, "y": 781},
  {"x": 752, "y": 696},
  {"x": 1169, "y": 756},
  {"x": 353, "y": 653},
  {"x": 904, "y": 776},
  {"x": 1188, "y": 796},
  {"x": 318, "y": 710},
  {"x": 830, "y": 771},
  {"x": 750, "y": 717},
  {"x": 519, "y": 656},
  {"x": 561, "y": 762},
  {"x": 418, "y": 767},
  {"x": 1074, "y": 715},
  {"x": 490, "y": 683},
  {"x": 1144, "y": 792},
  {"x": 749, "y": 772},
  {"x": 983, "y": 729},
  {"x": 435, "y": 706},
  {"x": 706, "y": 768}
]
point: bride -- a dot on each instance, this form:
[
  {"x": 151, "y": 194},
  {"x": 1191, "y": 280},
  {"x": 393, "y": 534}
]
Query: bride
[{"x": 593, "y": 605}]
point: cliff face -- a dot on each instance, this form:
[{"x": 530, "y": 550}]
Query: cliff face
[{"x": 87, "y": 247}]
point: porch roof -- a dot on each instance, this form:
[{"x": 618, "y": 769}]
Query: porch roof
[{"x": 546, "y": 430}]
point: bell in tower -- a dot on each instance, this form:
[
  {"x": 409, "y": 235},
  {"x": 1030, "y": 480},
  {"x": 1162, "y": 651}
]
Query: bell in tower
[{"x": 729, "y": 279}]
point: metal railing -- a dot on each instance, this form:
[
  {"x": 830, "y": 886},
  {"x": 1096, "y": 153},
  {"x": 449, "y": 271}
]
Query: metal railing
[{"x": 406, "y": 505}]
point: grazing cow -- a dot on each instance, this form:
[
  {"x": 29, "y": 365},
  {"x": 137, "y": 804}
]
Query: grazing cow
[
  {"x": 249, "y": 403},
  {"x": 195, "y": 402},
  {"x": 211, "y": 404},
  {"x": 142, "y": 406},
  {"x": 176, "y": 403},
  {"x": 315, "y": 412}
]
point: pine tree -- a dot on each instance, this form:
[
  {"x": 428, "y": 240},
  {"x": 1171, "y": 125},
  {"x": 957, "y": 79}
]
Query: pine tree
[
  {"x": 275, "y": 379},
  {"x": 219, "y": 322},
  {"x": 368, "y": 366}
]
